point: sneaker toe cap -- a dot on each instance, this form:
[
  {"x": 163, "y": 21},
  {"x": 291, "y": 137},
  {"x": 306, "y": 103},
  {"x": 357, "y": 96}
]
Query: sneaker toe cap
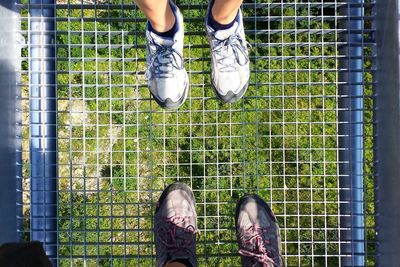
[
  {"x": 228, "y": 84},
  {"x": 230, "y": 87},
  {"x": 165, "y": 89},
  {"x": 231, "y": 94},
  {"x": 169, "y": 93}
]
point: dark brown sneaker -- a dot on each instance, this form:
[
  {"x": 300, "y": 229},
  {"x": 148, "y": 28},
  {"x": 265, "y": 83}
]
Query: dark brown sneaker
[
  {"x": 257, "y": 233},
  {"x": 175, "y": 226}
]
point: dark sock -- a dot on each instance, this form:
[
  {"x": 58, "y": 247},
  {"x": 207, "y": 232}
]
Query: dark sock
[
  {"x": 183, "y": 261},
  {"x": 168, "y": 34},
  {"x": 215, "y": 24}
]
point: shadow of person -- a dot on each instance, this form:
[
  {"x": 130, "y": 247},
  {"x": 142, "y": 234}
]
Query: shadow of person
[{"x": 29, "y": 254}]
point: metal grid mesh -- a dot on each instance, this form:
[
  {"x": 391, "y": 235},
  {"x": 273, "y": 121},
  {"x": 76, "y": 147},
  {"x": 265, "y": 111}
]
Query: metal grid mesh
[{"x": 117, "y": 149}]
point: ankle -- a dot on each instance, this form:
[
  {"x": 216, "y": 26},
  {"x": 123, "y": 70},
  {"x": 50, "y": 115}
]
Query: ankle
[
  {"x": 179, "y": 263},
  {"x": 223, "y": 19},
  {"x": 223, "y": 14},
  {"x": 175, "y": 264},
  {"x": 216, "y": 25},
  {"x": 167, "y": 21}
]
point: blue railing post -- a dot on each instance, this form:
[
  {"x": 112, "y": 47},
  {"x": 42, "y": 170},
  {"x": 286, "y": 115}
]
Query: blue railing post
[
  {"x": 43, "y": 125},
  {"x": 351, "y": 136}
]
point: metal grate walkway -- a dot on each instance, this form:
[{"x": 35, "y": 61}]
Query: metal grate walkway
[{"x": 117, "y": 149}]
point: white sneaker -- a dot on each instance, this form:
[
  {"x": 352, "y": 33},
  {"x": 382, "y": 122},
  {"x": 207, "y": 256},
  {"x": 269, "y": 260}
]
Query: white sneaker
[
  {"x": 230, "y": 65},
  {"x": 166, "y": 75}
]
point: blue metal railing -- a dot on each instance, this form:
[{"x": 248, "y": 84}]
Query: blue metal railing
[
  {"x": 351, "y": 116},
  {"x": 43, "y": 125}
]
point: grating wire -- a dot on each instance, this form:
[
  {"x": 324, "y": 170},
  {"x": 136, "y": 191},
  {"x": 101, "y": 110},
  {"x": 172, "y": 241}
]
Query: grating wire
[{"x": 118, "y": 150}]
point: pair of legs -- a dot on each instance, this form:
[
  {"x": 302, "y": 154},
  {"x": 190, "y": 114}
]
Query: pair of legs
[
  {"x": 162, "y": 19},
  {"x": 167, "y": 78},
  {"x": 175, "y": 228}
]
